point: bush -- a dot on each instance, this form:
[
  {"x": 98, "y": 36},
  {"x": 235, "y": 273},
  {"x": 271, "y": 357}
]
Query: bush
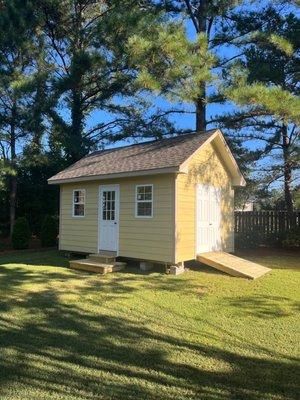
[
  {"x": 21, "y": 234},
  {"x": 292, "y": 239},
  {"x": 49, "y": 231},
  {"x": 4, "y": 229}
]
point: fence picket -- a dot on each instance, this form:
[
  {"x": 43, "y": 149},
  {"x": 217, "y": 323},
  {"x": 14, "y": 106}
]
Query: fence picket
[{"x": 248, "y": 224}]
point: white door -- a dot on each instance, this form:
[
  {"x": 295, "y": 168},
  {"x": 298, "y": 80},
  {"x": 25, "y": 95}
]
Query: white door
[
  {"x": 208, "y": 219},
  {"x": 109, "y": 218}
]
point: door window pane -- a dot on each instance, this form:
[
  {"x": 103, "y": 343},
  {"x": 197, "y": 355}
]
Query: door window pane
[{"x": 108, "y": 205}]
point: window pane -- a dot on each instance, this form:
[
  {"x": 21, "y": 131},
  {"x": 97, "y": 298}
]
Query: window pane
[
  {"x": 76, "y": 197},
  {"x": 79, "y": 196},
  {"x": 140, "y": 189},
  {"x": 78, "y": 203},
  {"x": 79, "y": 209},
  {"x": 144, "y": 193},
  {"x": 144, "y": 209}
]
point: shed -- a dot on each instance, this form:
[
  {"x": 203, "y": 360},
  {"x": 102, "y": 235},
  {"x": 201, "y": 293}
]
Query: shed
[{"x": 164, "y": 201}]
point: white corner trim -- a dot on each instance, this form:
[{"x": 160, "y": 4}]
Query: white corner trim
[{"x": 175, "y": 220}]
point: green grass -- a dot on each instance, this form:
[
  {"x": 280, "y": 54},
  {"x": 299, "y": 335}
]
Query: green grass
[{"x": 201, "y": 335}]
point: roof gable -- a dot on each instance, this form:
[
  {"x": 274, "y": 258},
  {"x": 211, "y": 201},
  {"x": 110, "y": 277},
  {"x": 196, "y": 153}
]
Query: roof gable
[
  {"x": 162, "y": 156},
  {"x": 224, "y": 152}
]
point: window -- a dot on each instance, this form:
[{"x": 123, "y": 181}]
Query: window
[
  {"x": 144, "y": 201},
  {"x": 78, "y": 202}
]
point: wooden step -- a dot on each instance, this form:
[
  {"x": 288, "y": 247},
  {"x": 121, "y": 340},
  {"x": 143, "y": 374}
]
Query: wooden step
[
  {"x": 103, "y": 258},
  {"x": 233, "y": 265},
  {"x": 96, "y": 266}
]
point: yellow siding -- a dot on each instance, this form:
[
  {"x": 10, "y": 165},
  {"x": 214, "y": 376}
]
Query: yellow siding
[
  {"x": 149, "y": 238},
  {"x": 79, "y": 234},
  {"x": 205, "y": 167}
]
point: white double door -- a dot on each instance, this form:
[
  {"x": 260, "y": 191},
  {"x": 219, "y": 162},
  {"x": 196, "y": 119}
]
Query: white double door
[
  {"x": 109, "y": 198},
  {"x": 208, "y": 217}
]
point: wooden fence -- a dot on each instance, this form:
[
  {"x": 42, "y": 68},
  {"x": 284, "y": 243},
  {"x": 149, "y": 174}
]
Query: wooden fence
[{"x": 263, "y": 227}]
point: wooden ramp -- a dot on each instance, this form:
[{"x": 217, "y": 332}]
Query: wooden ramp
[{"x": 233, "y": 265}]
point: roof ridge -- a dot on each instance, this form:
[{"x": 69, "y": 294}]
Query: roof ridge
[
  {"x": 145, "y": 156},
  {"x": 194, "y": 133}
]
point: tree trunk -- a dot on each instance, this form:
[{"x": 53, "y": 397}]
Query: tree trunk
[
  {"x": 201, "y": 17},
  {"x": 76, "y": 146},
  {"x": 201, "y": 114},
  {"x": 12, "y": 202},
  {"x": 287, "y": 168},
  {"x": 13, "y": 178},
  {"x": 38, "y": 129}
]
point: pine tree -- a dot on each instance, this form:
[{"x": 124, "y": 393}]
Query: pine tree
[
  {"x": 87, "y": 41},
  {"x": 269, "y": 94},
  {"x": 192, "y": 64},
  {"x": 17, "y": 88}
]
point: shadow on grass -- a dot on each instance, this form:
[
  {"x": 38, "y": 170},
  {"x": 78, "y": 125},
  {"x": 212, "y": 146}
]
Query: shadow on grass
[
  {"x": 61, "y": 350},
  {"x": 197, "y": 266},
  {"x": 49, "y": 258},
  {"x": 67, "y": 340},
  {"x": 264, "y": 306}
]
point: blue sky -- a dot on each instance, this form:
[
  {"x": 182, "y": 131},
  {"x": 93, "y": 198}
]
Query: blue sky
[
  {"x": 181, "y": 121},
  {"x": 187, "y": 121}
]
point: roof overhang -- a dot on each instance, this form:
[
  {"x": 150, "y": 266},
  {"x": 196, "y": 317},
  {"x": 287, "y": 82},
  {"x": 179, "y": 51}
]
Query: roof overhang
[
  {"x": 156, "y": 171},
  {"x": 217, "y": 140}
]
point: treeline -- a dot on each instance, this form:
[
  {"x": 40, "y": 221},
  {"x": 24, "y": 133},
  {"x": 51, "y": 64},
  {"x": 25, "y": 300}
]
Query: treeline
[{"x": 76, "y": 75}]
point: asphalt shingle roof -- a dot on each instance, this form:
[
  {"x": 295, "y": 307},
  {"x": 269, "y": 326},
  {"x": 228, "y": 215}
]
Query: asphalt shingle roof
[{"x": 165, "y": 153}]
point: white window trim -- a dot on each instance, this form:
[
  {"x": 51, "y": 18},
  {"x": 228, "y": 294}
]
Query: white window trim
[
  {"x": 143, "y": 201},
  {"x": 73, "y": 203}
]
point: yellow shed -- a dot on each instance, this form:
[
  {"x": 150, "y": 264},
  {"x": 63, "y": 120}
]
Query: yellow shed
[{"x": 164, "y": 201}]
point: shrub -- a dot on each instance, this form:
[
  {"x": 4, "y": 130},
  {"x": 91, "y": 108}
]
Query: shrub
[
  {"x": 292, "y": 239},
  {"x": 21, "y": 234},
  {"x": 49, "y": 231},
  {"x": 4, "y": 229}
]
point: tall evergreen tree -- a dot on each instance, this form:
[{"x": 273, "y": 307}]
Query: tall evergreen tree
[
  {"x": 269, "y": 94},
  {"x": 206, "y": 17},
  {"x": 194, "y": 63},
  {"x": 87, "y": 41},
  {"x": 16, "y": 50}
]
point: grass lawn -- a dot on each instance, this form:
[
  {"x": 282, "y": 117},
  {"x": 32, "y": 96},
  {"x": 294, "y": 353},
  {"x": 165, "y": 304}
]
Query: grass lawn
[{"x": 129, "y": 335}]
